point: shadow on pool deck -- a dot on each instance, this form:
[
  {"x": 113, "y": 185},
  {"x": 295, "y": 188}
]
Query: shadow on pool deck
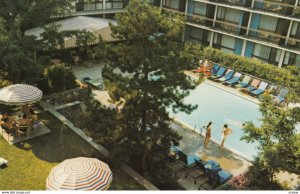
[{"x": 192, "y": 143}]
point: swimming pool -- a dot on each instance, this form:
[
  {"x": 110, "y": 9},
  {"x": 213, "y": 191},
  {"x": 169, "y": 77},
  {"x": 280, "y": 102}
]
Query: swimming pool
[{"x": 220, "y": 107}]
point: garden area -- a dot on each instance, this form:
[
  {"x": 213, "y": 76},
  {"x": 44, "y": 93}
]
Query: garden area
[{"x": 30, "y": 162}]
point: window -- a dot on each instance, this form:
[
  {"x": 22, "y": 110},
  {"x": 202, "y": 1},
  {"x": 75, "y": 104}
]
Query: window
[
  {"x": 278, "y": 53},
  {"x": 268, "y": 23},
  {"x": 200, "y": 8},
  {"x": 295, "y": 28},
  {"x": 228, "y": 41},
  {"x": 230, "y": 15},
  {"x": 261, "y": 51},
  {"x": 197, "y": 33},
  {"x": 174, "y": 4}
]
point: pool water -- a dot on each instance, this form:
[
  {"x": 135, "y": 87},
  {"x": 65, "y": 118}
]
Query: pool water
[{"x": 222, "y": 107}]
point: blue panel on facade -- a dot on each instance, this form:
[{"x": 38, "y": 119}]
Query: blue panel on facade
[
  {"x": 190, "y": 6},
  {"x": 238, "y": 46},
  {"x": 254, "y": 23},
  {"x": 249, "y": 49}
]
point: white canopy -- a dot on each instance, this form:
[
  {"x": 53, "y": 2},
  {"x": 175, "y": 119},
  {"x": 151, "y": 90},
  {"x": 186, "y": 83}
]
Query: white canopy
[
  {"x": 98, "y": 26},
  {"x": 20, "y": 94}
]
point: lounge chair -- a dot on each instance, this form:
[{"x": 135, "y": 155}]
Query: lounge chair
[
  {"x": 203, "y": 69},
  {"x": 186, "y": 161},
  {"x": 254, "y": 85},
  {"x": 204, "y": 66},
  {"x": 234, "y": 80},
  {"x": 245, "y": 82},
  {"x": 219, "y": 74},
  {"x": 216, "y": 179},
  {"x": 227, "y": 76},
  {"x": 213, "y": 71},
  {"x": 261, "y": 89},
  {"x": 216, "y": 175},
  {"x": 197, "y": 171},
  {"x": 93, "y": 82},
  {"x": 280, "y": 98}
]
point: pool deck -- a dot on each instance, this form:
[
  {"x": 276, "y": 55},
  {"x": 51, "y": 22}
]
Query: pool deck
[{"x": 192, "y": 144}]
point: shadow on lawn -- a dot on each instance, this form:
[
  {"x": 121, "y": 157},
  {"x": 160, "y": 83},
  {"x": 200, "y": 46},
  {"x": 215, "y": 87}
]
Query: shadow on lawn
[{"x": 62, "y": 143}]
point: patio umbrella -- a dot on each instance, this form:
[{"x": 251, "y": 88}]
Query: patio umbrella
[
  {"x": 20, "y": 94},
  {"x": 80, "y": 174}
]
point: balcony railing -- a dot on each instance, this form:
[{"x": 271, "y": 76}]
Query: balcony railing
[
  {"x": 275, "y": 7},
  {"x": 95, "y": 6},
  {"x": 234, "y": 2},
  {"x": 235, "y": 29}
]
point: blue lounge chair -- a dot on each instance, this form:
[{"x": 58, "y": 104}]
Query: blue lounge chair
[
  {"x": 216, "y": 176},
  {"x": 261, "y": 89},
  {"x": 186, "y": 161},
  {"x": 227, "y": 76},
  {"x": 254, "y": 85},
  {"x": 213, "y": 70},
  {"x": 219, "y": 74},
  {"x": 245, "y": 82},
  {"x": 234, "y": 80},
  {"x": 281, "y": 96}
]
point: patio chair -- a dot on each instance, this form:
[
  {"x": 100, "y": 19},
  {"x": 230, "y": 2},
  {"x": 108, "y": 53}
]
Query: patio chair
[
  {"x": 197, "y": 171},
  {"x": 216, "y": 178},
  {"x": 219, "y": 74},
  {"x": 254, "y": 85},
  {"x": 245, "y": 82},
  {"x": 234, "y": 80},
  {"x": 186, "y": 161},
  {"x": 227, "y": 76},
  {"x": 213, "y": 71},
  {"x": 23, "y": 130},
  {"x": 261, "y": 89}
]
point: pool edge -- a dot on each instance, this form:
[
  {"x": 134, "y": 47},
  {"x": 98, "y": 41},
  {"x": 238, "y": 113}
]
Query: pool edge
[{"x": 178, "y": 121}]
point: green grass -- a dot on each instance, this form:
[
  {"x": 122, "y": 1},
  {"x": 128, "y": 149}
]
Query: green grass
[{"x": 30, "y": 162}]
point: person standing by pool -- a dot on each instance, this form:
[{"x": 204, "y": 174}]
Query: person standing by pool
[
  {"x": 207, "y": 134},
  {"x": 225, "y": 132}
]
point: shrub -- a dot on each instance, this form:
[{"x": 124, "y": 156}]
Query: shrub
[
  {"x": 239, "y": 182},
  {"x": 58, "y": 77},
  {"x": 281, "y": 76}
]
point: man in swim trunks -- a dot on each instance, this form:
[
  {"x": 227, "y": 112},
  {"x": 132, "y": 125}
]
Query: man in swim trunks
[{"x": 225, "y": 132}]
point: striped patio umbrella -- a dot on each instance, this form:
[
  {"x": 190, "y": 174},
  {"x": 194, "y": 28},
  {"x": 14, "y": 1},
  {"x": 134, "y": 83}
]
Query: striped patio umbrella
[
  {"x": 80, "y": 174},
  {"x": 20, "y": 94}
]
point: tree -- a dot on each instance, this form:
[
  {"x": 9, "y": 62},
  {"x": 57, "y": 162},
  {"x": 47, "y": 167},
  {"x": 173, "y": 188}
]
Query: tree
[
  {"x": 152, "y": 62},
  {"x": 18, "y": 51},
  {"x": 278, "y": 141}
]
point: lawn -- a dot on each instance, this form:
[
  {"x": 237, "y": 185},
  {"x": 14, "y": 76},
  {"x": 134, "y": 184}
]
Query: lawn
[{"x": 31, "y": 161}]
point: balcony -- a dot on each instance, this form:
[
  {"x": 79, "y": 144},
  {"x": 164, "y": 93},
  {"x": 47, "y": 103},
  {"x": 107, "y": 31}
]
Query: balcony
[
  {"x": 234, "y": 2},
  {"x": 280, "y": 8},
  {"x": 99, "y": 6}
]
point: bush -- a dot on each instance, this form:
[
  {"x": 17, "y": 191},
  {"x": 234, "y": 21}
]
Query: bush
[
  {"x": 239, "y": 182},
  {"x": 280, "y": 76},
  {"x": 57, "y": 78}
]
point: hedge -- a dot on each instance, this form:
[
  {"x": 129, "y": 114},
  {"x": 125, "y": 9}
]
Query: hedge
[{"x": 280, "y": 76}]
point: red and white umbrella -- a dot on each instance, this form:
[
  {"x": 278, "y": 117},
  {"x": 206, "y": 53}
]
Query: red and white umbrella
[{"x": 80, "y": 174}]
